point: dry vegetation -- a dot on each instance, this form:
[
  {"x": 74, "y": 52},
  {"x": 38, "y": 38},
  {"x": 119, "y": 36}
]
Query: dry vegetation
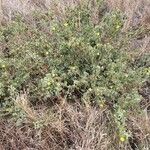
[
  {"x": 76, "y": 126},
  {"x": 72, "y": 127}
]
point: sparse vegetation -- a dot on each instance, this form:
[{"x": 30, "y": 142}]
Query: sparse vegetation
[{"x": 76, "y": 80}]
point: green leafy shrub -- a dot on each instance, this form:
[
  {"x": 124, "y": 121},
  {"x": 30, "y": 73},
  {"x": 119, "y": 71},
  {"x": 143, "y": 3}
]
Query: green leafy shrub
[{"x": 73, "y": 58}]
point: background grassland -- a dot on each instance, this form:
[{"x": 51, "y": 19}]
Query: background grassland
[{"x": 75, "y": 75}]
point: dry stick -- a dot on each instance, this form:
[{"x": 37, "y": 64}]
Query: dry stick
[{"x": 144, "y": 48}]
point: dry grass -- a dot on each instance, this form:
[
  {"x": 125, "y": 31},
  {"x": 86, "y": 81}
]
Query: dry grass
[
  {"x": 137, "y": 11},
  {"x": 139, "y": 125},
  {"x": 26, "y": 7},
  {"x": 72, "y": 127}
]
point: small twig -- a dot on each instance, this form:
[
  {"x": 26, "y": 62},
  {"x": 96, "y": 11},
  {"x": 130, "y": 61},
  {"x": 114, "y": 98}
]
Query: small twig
[{"x": 144, "y": 47}]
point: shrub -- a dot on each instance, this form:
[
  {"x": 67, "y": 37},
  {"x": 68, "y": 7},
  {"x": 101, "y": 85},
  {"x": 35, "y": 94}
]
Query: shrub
[{"x": 74, "y": 59}]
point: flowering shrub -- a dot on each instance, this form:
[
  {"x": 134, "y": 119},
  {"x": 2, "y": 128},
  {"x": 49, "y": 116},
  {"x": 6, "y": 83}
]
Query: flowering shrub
[{"x": 71, "y": 58}]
